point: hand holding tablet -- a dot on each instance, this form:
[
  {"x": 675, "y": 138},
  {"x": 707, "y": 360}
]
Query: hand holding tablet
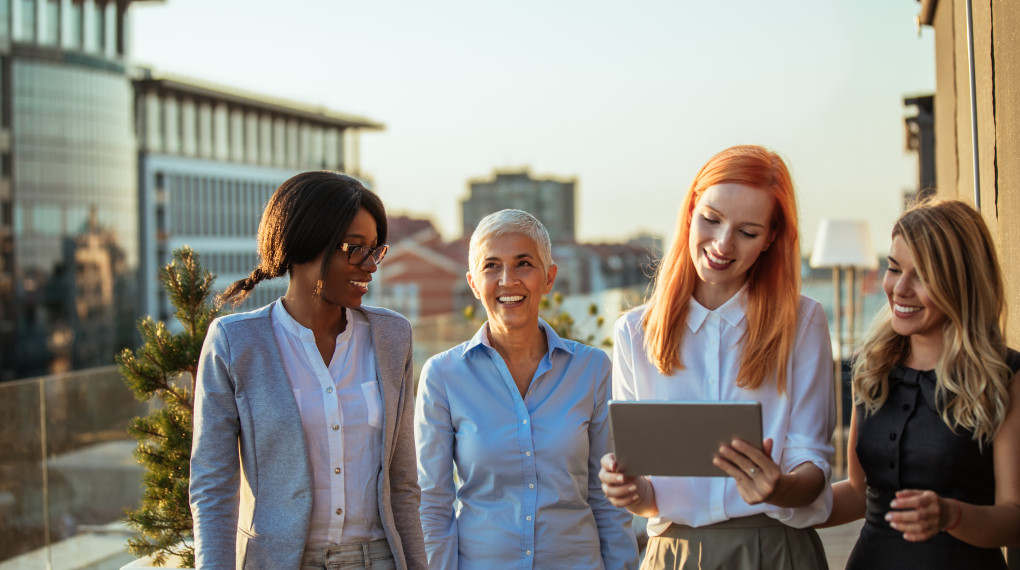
[{"x": 680, "y": 438}]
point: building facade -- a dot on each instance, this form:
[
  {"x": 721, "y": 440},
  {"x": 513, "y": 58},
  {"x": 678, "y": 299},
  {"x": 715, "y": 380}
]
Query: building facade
[
  {"x": 209, "y": 159},
  {"x": 551, "y": 200},
  {"x": 68, "y": 200},
  {"x": 996, "y": 71},
  {"x": 423, "y": 276}
]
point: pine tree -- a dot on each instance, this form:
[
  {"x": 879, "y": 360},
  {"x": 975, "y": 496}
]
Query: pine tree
[{"x": 164, "y": 368}]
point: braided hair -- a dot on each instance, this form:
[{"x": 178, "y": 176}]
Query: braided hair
[{"x": 308, "y": 214}]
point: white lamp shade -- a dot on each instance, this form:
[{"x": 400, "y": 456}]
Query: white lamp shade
[{"x": 843, "y": 243}]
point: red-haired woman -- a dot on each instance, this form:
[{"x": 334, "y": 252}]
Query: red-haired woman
[{"x": 726, "y": 322}]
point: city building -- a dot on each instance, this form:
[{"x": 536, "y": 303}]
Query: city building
[
  {"x": 105, "y": 169},
  {"x": 548, "y": 199},
  {"x": 920, "y": 129},
  {"x": 977, "y": 133},
  {"x": 423, "y": 276},
  {"x": 209, "y": 158},
  {"x": 585, "y": 268},
  {"x": 68, "y": 186}
]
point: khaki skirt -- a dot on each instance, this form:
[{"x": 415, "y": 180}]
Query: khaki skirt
[{"x": 750, "y": 543}]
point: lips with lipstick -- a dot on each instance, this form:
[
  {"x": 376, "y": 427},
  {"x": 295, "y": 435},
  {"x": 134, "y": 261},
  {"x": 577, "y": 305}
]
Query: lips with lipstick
[{"x": 716, "y": 262}]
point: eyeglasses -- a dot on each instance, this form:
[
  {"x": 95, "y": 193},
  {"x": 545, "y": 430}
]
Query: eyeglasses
[{"x": 358, "y": 254}]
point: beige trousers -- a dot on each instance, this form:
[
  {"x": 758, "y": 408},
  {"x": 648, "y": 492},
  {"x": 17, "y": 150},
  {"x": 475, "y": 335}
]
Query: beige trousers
[{"x": 750, "y": 543}]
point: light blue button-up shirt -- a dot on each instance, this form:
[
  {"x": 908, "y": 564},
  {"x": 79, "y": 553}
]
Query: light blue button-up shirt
[{"x": 529, "y": 494}]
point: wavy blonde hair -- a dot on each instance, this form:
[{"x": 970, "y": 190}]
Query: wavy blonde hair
[
  {"x": 955, "y": 258},
  {"x": 773, "y": 281}
]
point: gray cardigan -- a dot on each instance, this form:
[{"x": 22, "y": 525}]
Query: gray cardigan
[{"x": 251, "y": 509}]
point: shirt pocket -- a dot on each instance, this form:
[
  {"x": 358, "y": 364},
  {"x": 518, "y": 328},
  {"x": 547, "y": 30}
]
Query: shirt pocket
[{"x": 373, "y": 403}]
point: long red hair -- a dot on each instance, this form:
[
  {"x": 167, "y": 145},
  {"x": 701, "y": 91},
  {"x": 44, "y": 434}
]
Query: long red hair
[{"x": 773, "y": 292}]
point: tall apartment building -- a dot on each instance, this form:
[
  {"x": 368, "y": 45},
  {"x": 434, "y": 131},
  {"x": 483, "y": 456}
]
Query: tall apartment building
[
  {"x": 209, "y": 158},
  {"x": 551, "y": 200},
  {"x": 68, "y": 172}
]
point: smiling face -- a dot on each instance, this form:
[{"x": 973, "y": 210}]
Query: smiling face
[
  {"x": 730, "y": 228},
  {"x": 913, "y": 311},
  {"x": 344, "y": 284},
  {"x": 509, "y": 279}
]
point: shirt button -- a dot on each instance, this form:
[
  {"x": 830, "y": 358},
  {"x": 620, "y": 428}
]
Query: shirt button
[
  {"x": 906, "y": 407},
  {"x": 711, "y": 342},
  {"x": 892, "y": 436},
  {"x": 529, "y": 517},
  {"x": 711, "y": 380},
  {"x": 528, "y": 552},
  {"x": 337, "y": 471},
  {"x": 531, "y": 485},
  {"x": 892, "y": 465},
  {"x": 339, "y": 511},
  {"x": 524, "y": 422},
  {"x": 329, "y": 390},
  {"x": 528, "y": 453},
  {"x": 336, "y": 427}
]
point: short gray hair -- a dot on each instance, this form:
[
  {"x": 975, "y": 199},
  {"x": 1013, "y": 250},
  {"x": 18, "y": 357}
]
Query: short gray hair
[{"x": 506, "y": 222}]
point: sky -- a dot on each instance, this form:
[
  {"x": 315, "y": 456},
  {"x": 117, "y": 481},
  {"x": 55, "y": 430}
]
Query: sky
[{"x": 631, "y": 99}]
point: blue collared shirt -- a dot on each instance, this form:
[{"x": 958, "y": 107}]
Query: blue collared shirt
[{"x": 527, "y": 468}]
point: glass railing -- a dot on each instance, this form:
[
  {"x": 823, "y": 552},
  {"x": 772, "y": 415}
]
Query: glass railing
[{"x": 67, "y": 467}]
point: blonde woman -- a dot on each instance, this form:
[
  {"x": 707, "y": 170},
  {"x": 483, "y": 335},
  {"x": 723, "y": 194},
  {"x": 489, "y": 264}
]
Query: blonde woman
[
  {"x": 934, "y": 449},
  {"x": 726, "y": 322}
]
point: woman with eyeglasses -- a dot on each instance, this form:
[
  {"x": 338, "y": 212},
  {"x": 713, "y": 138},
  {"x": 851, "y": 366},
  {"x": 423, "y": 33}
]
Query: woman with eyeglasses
[{"x": 303, "y": 452}]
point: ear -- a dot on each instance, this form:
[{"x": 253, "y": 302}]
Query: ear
[
  {"x": 471, "y": 283},
  {"x": 550, "y": 278}
]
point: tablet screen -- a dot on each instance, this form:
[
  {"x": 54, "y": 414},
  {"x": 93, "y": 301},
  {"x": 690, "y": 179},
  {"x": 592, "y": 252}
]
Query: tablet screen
[{"x": 679, "y": 438}]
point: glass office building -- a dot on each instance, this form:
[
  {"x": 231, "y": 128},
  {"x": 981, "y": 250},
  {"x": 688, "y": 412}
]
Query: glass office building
[
  {"x": 210, "y": 156},
  {"x": 68, "y": 187}
]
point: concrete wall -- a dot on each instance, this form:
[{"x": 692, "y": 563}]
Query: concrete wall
[{"x": 997, "y": 74}]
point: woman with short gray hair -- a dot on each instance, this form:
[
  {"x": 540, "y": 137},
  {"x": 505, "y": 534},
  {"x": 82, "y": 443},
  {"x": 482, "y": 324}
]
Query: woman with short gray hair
[{"x": 518, "y": 416}]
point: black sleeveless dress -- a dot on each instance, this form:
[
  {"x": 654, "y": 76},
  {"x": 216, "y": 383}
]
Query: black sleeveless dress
[{"x": 906, "y": 445}]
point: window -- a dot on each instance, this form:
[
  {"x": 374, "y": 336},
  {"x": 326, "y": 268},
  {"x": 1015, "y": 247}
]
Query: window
[
  {"x": 73, "y": 34},
  {"x": 51, "y": 23},
  {"x": 27, "y": 21},
  {"x": 99, "y": 27}
]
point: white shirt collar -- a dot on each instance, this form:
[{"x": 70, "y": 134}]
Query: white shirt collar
[
  {"x": 733, "y": 311},
  {"x": 301, "y": 332}
]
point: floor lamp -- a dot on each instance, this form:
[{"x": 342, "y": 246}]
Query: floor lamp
[{"x": 845, "y": 246}]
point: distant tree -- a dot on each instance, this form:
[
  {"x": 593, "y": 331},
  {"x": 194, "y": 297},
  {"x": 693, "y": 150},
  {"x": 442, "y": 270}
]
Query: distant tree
[{"x": 163, "y": 368}]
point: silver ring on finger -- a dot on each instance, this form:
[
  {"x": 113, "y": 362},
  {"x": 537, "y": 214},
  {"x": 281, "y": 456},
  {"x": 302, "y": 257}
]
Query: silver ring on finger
[{"x": 753, "y": 471}]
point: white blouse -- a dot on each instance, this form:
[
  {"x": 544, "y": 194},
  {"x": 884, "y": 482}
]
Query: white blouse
[
  {"x": 341, "y": 413},
  {"x": 800, "y": 422}
]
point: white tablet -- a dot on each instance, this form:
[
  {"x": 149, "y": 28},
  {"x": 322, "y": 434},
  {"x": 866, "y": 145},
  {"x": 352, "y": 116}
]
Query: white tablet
[{"x": 679, "y": 438}]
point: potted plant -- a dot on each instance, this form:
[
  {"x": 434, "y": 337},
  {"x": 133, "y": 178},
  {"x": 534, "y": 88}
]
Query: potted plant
[{"x": 162, "y": 371}]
